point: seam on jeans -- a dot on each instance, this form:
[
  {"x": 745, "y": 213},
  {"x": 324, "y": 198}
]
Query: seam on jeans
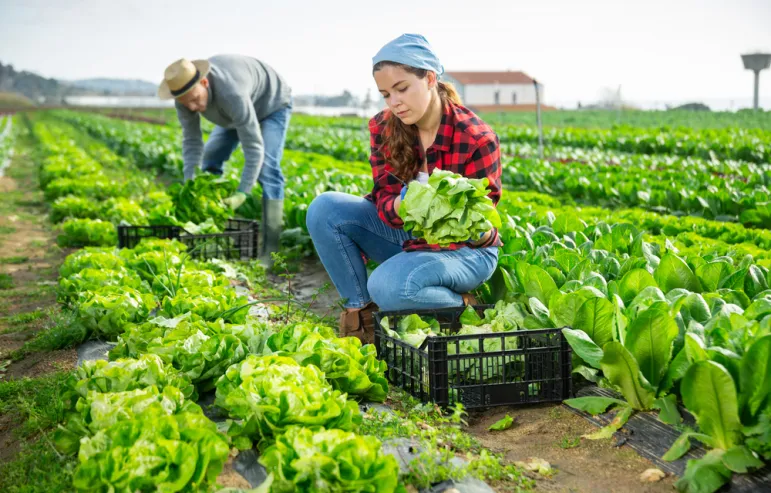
[
  {"x": 492, "y": 271},
  {"x": 427, "y": 264},
  {"x": 420, "y": 299},
  {"x": 471, "y": 253},
  {"x": 350, "y": 267},
  {"x": 356, "y": 223}
]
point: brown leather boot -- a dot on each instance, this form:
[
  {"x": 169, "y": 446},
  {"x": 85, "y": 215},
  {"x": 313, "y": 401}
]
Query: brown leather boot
[
  {"x": 469, "y": 299},
  {"x": 359, "y": 324}
]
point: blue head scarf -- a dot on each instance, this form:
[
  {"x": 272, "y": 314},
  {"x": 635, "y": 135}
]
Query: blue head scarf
[{"x": 412, "y": 50}]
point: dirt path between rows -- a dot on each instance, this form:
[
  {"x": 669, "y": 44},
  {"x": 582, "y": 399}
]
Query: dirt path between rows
[
  {"x": 29, "y": 265},
  {"x": 552, "y": 433},
  {"x": 308, "y": 283},
  {"x": 29, "y": 262}
]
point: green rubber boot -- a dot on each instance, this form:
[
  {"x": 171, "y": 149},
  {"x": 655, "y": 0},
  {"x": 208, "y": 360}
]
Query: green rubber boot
[{"x": 272, "y": 223}]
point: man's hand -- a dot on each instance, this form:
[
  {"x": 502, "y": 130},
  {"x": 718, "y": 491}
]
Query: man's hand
[{"x": 235, "y": 200}]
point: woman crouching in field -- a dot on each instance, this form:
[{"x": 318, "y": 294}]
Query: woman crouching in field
[{"x": 424, "y": 128}]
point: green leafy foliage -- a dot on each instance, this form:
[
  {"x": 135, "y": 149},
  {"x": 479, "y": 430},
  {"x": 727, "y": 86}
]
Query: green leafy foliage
[
  {"x": 97, "y": 411},
  {"x": 347, "y": 365},
  {"x": 124, "y": 211},
  {"x": 622, "y": 370},
  {"x": 87, "y": 232},
  {"x": 200, "y": 199},
  {"x": 673, "y": 273},
  {"x": 667, "y": 406},
  {"x": 306, "y": 459},
  {"x": 182, "y": 452},
  {"x": 649, "y": 339},
  {"x": 650, "y": 295},
  {"x": 207, "y": 302},
  {"x": 704, "y": 475},
  {"x": 128, "y": 374},
  {"x": 109, "y": 311},
  {"x": 72, "y": 206},
  {"x": 200, "y": 350},
  {"x": 502, "y": 424},
  {"x": 96, "y": 258},
  {"x": 267, "y": 394},
  {"x": 710, "y": 394},
  {"x": 449, "y": 209},
  {"x": 90, "y": 279}
]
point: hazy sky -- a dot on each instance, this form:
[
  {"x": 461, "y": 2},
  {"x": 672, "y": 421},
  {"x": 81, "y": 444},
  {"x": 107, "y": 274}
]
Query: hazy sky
[{"x": 657, "y": 50}]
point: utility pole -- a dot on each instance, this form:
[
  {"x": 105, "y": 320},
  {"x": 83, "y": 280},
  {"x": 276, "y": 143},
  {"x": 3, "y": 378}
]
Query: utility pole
[{"x": 538, "y": 118}]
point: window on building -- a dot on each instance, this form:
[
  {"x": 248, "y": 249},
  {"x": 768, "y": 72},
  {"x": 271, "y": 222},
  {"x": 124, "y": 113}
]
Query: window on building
[
  {"x": 497, "y": 97},
  {"x": 513, "y": 98}
]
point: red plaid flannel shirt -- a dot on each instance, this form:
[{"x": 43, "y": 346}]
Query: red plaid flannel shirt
[{"x": 464, "y": 144}]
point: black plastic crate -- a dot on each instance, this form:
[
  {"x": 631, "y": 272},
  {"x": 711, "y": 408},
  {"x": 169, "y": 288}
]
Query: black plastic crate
[
  {"x": 238, "y": 241},
  {"x": 508, "y": 368}
]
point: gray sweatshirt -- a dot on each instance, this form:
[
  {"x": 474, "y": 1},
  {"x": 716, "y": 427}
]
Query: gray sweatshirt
[{"x": 242, "y": 91}]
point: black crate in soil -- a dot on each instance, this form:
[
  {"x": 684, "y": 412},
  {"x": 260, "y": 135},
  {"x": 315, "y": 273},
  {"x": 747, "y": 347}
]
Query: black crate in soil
[
  {"x": 505, "y": 368},
  {"x": 238, "y": 241}
]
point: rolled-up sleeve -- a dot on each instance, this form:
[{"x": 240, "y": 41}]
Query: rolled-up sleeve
[{"x": 192, "y": 140}]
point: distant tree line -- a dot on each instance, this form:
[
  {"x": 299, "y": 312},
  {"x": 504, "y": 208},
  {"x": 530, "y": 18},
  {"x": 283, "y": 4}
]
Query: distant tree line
[{"x": 32, "y": 85}]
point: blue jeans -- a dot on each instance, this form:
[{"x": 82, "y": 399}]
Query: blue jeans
[
  {"x": 223, "y": 141},
  {"x": 344, "y": 226}
]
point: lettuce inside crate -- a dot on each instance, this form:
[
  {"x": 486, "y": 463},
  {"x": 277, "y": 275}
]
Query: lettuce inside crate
[{"x": 470, "y": 355}]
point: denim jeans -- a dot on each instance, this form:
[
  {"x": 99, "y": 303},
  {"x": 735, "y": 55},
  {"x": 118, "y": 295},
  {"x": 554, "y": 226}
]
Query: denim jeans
[
  {"x": 344, "y": 226},
  {"x": 223, "y": 141}
]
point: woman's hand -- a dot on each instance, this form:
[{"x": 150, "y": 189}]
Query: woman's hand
[
  {"x": 482, "y": 239},
  {"x": 399, "y": 199}
]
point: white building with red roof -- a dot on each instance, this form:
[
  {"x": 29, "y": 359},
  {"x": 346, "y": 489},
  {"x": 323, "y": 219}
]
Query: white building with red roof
[{"x": 495, "y": 91}]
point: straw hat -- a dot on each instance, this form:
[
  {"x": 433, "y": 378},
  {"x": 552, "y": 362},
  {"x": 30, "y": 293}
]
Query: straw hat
[{"x": 181, "y": 76}]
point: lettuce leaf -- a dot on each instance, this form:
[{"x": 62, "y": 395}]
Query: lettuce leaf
[
  {"x": 448, "y": 209},
  {"x": 314, "y": 459},
  {"x": 183, "y": 452},
  {"x": 347, "y": 366},
  {"x": 267, "y": 394},
  {"x": 97, "y": 258},
  {"x": 112, "y": 309}
]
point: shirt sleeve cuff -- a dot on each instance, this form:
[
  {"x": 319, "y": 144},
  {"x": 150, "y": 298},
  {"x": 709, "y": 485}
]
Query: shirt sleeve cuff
[
  {"x": 389, "y": 215},
  {"x": 492, "y": 240}
]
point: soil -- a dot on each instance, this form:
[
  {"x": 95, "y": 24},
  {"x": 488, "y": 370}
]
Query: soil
[
  {"x": 9, "y": 444},
  {"x": 229, "y": 478},
  {"x": 37, "y": 364},
  {"x": 552, "y": 433},
  {"x": 30, "y": 255},
  {"x": 306, "y": 283}
]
